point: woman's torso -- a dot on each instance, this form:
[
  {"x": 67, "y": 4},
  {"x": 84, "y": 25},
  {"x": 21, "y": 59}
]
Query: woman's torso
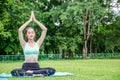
[{"x": 31, "y": 53}]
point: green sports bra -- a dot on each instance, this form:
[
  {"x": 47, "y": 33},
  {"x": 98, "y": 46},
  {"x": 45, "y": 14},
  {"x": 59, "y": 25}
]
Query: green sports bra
[{"x": 31, "y": 50}]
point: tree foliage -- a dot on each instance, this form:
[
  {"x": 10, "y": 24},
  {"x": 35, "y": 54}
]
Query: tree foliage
[{"x": 70, "y": 23}]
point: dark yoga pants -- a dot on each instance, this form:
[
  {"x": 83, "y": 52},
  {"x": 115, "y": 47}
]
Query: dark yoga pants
[{"x": 33, "y": 67}]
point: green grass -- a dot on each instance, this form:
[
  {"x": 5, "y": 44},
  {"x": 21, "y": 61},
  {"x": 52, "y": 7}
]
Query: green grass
[{"x": 94, "y": 69}]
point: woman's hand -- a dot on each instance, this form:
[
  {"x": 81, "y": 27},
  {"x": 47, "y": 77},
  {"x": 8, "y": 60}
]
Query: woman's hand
[
  {"x": 29, "y": 71},
  {"x": 33, "y": 16}
]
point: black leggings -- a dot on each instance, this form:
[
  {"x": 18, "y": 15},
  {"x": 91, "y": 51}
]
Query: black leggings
[{"x": 32, "y": 67}]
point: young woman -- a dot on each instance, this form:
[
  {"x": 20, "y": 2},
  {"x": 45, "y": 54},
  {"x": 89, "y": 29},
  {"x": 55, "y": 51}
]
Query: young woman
[{"x": 31, "y": 51}]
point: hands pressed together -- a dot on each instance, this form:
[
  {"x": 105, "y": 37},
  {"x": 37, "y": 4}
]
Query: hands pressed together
[{"x": 32, "y": 17}]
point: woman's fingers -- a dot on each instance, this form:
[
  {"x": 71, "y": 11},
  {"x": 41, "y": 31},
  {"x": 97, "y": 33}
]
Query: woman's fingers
[{"x": 33, "y": 16}]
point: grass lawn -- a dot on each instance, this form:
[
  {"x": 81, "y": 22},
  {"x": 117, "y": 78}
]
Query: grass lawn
[{"x": 93, "y": 69}]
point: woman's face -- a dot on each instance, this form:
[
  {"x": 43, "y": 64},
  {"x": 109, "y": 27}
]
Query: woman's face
[{"x": 30, "y": 34}]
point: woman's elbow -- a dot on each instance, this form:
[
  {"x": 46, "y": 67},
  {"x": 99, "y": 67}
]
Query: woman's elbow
[
  {"x": 19, "y": 30},
  {"x": 45, "y": 29}
]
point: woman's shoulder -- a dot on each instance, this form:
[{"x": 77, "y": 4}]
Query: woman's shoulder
[{"x": 36, "y": 44}]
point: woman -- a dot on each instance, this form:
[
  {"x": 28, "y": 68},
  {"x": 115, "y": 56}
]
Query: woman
[{"x": 31, "y": 51}]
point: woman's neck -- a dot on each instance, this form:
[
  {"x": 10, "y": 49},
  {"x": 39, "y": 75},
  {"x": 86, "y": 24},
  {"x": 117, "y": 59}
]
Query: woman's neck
[{"x": 31, "y": 41}]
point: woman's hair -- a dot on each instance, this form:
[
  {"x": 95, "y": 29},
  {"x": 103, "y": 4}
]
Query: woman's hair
[{"x": 27, "y": 30}]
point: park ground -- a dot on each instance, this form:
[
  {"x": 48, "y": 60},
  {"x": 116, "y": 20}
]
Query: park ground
[{"x": 93, "y": 69}]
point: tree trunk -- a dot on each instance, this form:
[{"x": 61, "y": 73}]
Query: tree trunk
[
  {"x": 85, "y": 49},
  {"x": 91, "y": 45},
  {"x": 70, "y": 53},
  {"x": 63, "y": 54},
  {"x": 84, "y": 45},
  {"x": 87, "y": 32}
]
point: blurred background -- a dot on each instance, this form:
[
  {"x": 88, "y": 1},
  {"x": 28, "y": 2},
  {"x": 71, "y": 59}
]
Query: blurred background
[{"x": 74, "y": 26}]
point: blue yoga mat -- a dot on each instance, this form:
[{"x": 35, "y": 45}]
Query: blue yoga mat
[
  {"x": 4, "y": 75},
  {"x": 3, "y": 79}
]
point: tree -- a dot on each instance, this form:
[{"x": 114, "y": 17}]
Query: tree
[
  {"x": 74, "y": 26},
  {"x": 13, "y": 14},
  {"x": 87, "y": 15},
  {"x": 4, "y": 21}
]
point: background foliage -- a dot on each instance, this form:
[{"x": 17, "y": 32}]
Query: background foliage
[{"x": 64, "y": 20}]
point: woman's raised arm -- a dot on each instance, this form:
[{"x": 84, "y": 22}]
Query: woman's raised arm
[
  {"x": 20, "y": 32},
  {"x": 44, "y": 31}
]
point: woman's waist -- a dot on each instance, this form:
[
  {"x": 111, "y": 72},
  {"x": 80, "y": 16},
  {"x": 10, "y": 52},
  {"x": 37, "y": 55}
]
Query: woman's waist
[{"x": 31, "y": 59}]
